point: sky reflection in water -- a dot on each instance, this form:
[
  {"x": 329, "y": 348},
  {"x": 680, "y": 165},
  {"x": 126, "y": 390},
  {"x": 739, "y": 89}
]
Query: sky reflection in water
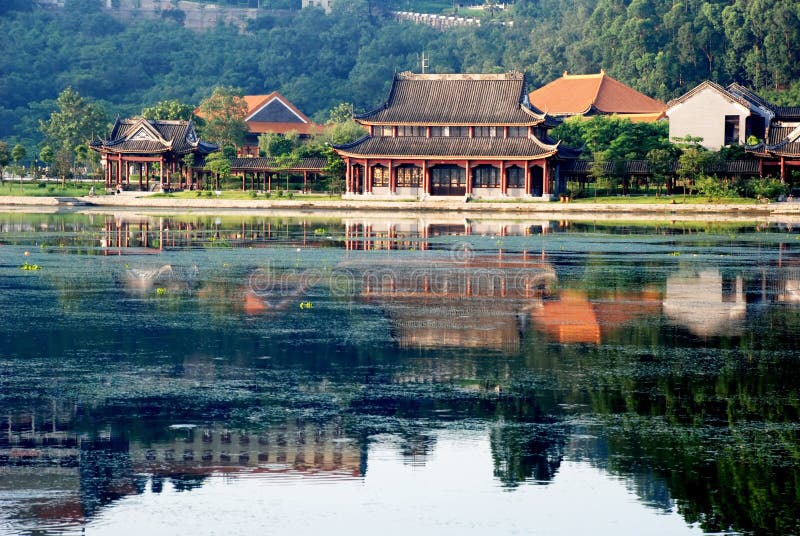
[{"x": 220, "y": 373}]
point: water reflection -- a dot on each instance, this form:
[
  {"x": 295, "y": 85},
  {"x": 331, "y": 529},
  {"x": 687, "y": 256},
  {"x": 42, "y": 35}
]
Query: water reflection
[{"x": 161, "y": 354}]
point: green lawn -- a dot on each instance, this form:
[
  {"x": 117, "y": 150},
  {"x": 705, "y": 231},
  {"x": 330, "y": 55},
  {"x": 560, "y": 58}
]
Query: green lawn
[{"x": 48, "y": 189}]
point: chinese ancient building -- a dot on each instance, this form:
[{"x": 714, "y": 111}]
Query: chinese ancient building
[
  {"x": 150, "y": 150},
  {"x": 455, "y": 135},
  {"x": 738, "y": 116},
  {"x": 273, "y": 114},
  {"x": 588, "y": 95}
]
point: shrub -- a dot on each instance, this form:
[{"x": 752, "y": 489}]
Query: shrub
[
  {"x": 712, "y": 188},
  {"x": 765, "y": 188},
  {"x": 253, "y": 195}
]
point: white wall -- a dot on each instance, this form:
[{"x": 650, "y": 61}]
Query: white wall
[{"x": 703, "y": 116}]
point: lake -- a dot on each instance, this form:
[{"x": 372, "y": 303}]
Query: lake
[{"x": 216, "y": 374}]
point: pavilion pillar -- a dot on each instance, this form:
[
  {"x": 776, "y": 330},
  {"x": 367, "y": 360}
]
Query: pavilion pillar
[
  {"x": 305, "y": 181},
  {"x": 348, "y": 188},
  {"x": 269, "y": 184},
  {"x": 367, "y": 177},
  {"x": 392, "y": 179},
  {"x": 503, "y": 179},
  {"x": 244, "y": 181},
  {"x": 119, "y": 169},
  {"x": 546, "y": 190},
  {"x": 142, "y": 170},
  {"x": 527, "y": 178},
  {"x": 161, "y": 175},
  {"x": 469, "y": 177},
  {"x": 783, "y": 169},
  {"x": 426, "y": 181},
  {"x": 264, "y": 179}
]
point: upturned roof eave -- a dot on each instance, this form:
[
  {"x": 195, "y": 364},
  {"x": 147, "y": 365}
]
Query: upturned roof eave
[{"x": 457, "y": 158}]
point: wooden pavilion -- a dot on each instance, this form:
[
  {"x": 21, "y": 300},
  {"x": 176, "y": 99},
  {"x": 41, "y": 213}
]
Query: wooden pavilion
[
  {"x": 264, "y": 172},
  {"x": 470, "y": 135},
  {"x": 153, "y": 148}
]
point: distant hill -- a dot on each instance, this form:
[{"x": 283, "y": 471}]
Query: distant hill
[{"x": 143, "y": 53}]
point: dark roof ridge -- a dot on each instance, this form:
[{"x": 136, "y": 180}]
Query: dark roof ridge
[{"x": 510, "y": 75}]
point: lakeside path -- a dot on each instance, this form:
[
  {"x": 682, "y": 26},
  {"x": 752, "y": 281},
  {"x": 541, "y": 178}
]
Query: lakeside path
[{"x": 349, "y": 208}]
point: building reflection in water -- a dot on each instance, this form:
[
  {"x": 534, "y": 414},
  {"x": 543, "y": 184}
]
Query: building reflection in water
[
  {"x": 571, "y": 317},
  {"x": 63, "y": 476},
  {"x": 707, "y": 303},
  {"x": 480, "y": 301}
]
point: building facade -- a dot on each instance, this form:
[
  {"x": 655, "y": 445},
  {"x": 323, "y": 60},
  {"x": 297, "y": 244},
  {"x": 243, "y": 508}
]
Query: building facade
[
  {"x": 455, "y": 135},
  {"x": 737, "y": 116},
  {"x": 273, "y": 114}
]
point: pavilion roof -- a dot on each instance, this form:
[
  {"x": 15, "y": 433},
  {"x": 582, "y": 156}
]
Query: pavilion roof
[
  {"x": 456, "y": 99},
  {"x": 447, "y": 147},
  {"x": 595, "y": 93},
  {"x": 147, "y": 136}
]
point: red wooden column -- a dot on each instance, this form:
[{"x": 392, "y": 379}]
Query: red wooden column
[
  {"x": 546, "y": 190},
  {"x": 426, "y": 181},
  {"x": 469, "y": 177},
  {"x": 348, "y": 176},
  {"x": 119, "y": 169},
  {"x": 503, "y": 179},
  {"x": 527, "y": 178},
  {"x": 783, "y": 169},
  {"x": 392, "y": 179},
  {"x": 367, "y": 177},
  {"x": 162, "y": 164}
]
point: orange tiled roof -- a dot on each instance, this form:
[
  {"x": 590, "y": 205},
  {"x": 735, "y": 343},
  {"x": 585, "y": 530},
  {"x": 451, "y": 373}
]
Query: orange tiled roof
[{"x": 582, "y": 94}]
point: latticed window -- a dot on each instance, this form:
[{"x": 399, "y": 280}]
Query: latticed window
[
  {"x": 486, "y": 177},
  {"x": 409, "y": 176},
  {"x": 459, "y": 132},
  {"x": 448, "y": 175},
  {"x": 405, "y": 131},
  {"x": 515, "y": 176},
  {"x": 380, "y": 176},
  {"x": 485, "y": 132},
  {"x": 385, "y": 131},
  {"x": 517, "y": 132}
]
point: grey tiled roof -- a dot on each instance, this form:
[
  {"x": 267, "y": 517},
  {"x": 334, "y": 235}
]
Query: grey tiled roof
[
  {"x": 270, "y": 164},
  {"x": 447, "y": 147},
  {"x": 178, "y": 137},
  {"x": 787, "y": 113},
  {"x": 455, "y": 100}
]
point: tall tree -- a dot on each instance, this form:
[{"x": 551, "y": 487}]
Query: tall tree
[
  {"x": 5, "y": 158},
  {"x": 75, "y": 121},
  {"x": 18, "y": 154},
  {"x": 224, "y": 112},
  {"x": 168, "y": 110}
]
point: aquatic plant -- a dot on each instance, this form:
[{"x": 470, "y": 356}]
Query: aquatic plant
[{"x": 30, "y": 267}]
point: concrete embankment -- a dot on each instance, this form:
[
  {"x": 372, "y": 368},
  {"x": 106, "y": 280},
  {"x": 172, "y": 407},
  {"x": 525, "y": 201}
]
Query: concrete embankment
[{"x": 768, "y": 211}]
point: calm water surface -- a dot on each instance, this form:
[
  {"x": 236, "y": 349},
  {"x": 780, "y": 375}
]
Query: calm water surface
[{"x": 223, "y": 374}]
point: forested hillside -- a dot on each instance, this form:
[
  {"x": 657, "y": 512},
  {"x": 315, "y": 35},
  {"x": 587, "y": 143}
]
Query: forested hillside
[{"x": 661, "y": 47}]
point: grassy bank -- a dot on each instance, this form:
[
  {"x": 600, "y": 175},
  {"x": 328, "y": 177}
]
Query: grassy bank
[{"x": 48, "y": 189}]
